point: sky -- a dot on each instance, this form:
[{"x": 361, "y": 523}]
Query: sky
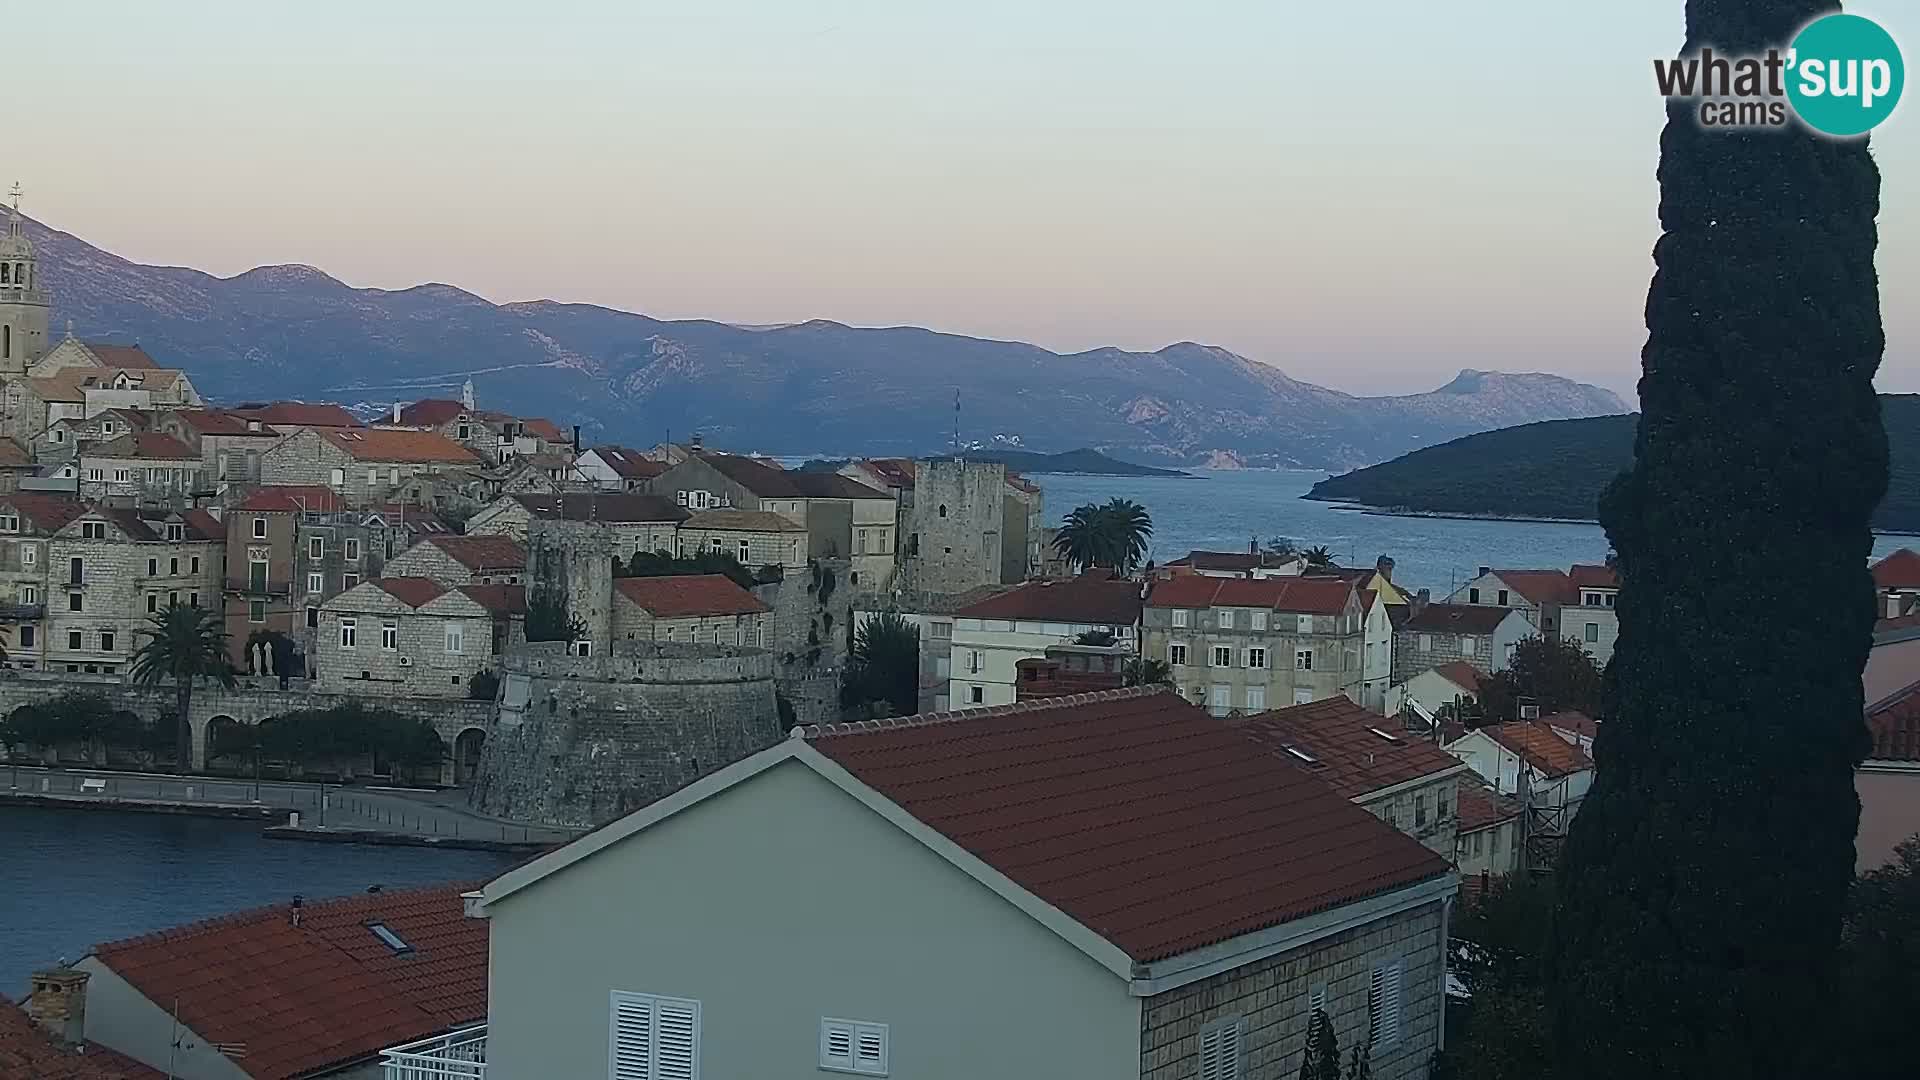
[{"x": 1369, "y": 196}]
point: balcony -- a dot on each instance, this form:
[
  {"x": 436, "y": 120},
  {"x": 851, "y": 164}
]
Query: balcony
[
  {"x": 457, "y": 1055},
  {"x": 22, "y": 612}
]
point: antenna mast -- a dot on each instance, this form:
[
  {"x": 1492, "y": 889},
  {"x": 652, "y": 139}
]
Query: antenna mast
[{"x": 956, "y": 422}]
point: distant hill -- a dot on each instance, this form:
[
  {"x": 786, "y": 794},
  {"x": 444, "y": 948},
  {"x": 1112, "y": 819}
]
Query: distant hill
[
  {"x": 788, "y": 389},
  {"x": 1558, "y": 470}
]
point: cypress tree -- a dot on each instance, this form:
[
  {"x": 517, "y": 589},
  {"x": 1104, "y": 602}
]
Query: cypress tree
[{"x": 1706, "y": 875}]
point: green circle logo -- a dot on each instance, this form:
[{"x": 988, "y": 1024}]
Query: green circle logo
[{"x": 1846, "y": 75}]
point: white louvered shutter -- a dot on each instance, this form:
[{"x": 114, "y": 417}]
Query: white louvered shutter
[
  {"x": 1220, "y": 1050},
  {"x": 870, "y": 1049},
  {"x": 1390, "y": 1005},
  {"x": 1376, "y": 1001},
  {"x": 836, "y": 1044},
  {"x": 631, "y": 1055},
  {"x": 677, "y": 1046},
  {"x": 1316, "y": 1003},
  {"x": 1230, "y": 1052},
  {"x": 1210, "y": 1054}
]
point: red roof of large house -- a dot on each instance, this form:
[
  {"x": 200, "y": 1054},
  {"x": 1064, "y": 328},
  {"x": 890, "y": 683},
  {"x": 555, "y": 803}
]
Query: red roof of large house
[
  {"x": 222, "y": 422},
  {"x": 412, "y": 591},
  {"x": 143, "y": 446},
  {"x": 499, "y": 599},
  {"x": 1894, "y": 723},
  {"x": 482, "y": 552},
  {"x": 768, "y": 480},
  {"x": 1134, "y": 813},
  {"x": 1589, "y": 576},
  {"x": 543, "y": 429},
  {"x": 1539, "y": 747},
  {"x": 1900, "y": 570},
  {"x": 1309, "y": 596},
  {"x": 389, "y": 444},
  {"x": 1538, "y": 586},
  {"x": 1457, "y": 619},
  {"x": 1352, "y": 750},
  {"x": 431, "y": 412},
  {"x": 29, "y": 1053},
  {"x": 629, "y": 464},
  {"x": 321, "y": 994},
  {"x": 1233, "y": 561},
  {"x": 48, "y": 513},
  {"x": 1573, "y": 720},
  {"x": 1461, "y": 674},
  {"x": 1089, "y": 598},
  {"x": 120, "y": 356},
  {"x": 891, "y": 471},
  {"x": 298, "y": 414},
  {"x": 683, "y": 595}
]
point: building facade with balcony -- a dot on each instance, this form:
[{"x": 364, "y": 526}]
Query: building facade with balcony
[
  {"x": 113, "y": 569},
  {"x": 1251, "y": 644},
  {"x": 28, "y": 523}
]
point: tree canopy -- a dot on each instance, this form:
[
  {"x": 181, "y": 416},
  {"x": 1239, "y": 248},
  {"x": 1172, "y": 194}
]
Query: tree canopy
[
  {"x": 883, "y": 672},
  {"x": 1553, "y": 673},
  {"x": 183, "y": 645},
  {"x": 1113, "y": 534}
]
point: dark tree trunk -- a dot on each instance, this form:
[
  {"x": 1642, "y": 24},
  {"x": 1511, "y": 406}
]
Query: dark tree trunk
[
  {"x": 182, "y": 699},
  {"x": 1705, "y": 877}
]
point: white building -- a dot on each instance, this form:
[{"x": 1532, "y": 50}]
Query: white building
[{"x": 992, "y": 636}]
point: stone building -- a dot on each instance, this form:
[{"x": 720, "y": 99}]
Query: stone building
[
  {"x": 616, "y": 468},
  {"x": 65, "y": 438},
  {"x": 990, "y": 637},
  {"x": 493, "y": 436},
  {"x": 636, "y": 523},
  {"x": 700, "y": 608},
  {"x": 404, "y": 636},
  {"x": 361, "y": 463},
  {"x": 1246, "y": 645},
  {"x": 463, "y": 560},
  {"x": 230, "y": 445},
  {"x": 957, "y": 527},
  {"x": 293, "y": 417},
  {"x": 28, "y": 523},
  {"x": 836, "y": 513},
  {"x": 141, "y": 467},
  {"x": 581, "y": 740},
  {"x": 16, "y": 463},
  {"x": 755, "y": 537},
  {"x": 1479, "y": 634},
  {"x": 1587, "y": 617},
  {"x": 24, "y": 302},
  {"x": 71, "y": 352},
  {"x": 571, "y": 562},
  {"x": 114, "y": 569},
  {"x": 932, "y": 616}
]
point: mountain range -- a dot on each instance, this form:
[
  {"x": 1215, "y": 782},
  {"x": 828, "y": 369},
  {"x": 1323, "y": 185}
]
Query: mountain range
[{"x": 812, "y": 387}]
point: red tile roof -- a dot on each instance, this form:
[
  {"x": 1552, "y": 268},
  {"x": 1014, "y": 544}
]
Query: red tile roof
[
  {"x": 1588, "y": 576},
  {"x": 1573, "y": 720},
  {"x": 387, "y": 444},
  {"x": 432, "y": 412},
  {"x": 1538, "y": 586},
  {"x": 1458, "y": 619},
  {"x": 1310, "y": 596},
  {"x": 411, "y": 591},
  {"x": 685, "y": 595},
  {"x": 1900, "y": 570},
  {"x": 120, "y": 356},
  {"x": 482, "y": 552},
  {"x": 1894, "y": 724},
  {"x": 544, "y": 429},
  {"x": 1134, "y": 813},
  {"x": 831, "y": 485},
  {"x": 144, "y": 446},
  {"x": 291, "y": 499},
  {"x": 299, "y": 414},
  {"x": 28, "y": 1053},
  {"x": 1539, "y": 747},
  {"x": 1233, "y": 561},
  {"x": 1090, "y": 598},
  {"x": 893, "y": 472},
  {"x": 629, "y": 464},
  {"x": 197, "y": 524},
  {"x": 616, "y": 507},
  {"x": 13, "y": 455},
  {"x": 1481, "y": 807},
  {"x": 499, "y": 599},
  {"x": 325, "y": 993},
  {"x": 1898, "y": 622},
  {"x": 48, "y": 513},
  {"x": 1354, "y": 750},
  {"x": 220, "y": 422},
  {"x": 764, "y": 478},
  {"x": 1461, "y": 674}
]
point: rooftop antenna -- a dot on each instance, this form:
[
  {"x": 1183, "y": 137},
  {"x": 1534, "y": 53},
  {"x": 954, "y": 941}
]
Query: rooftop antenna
[{"x": 956, "y": 422}]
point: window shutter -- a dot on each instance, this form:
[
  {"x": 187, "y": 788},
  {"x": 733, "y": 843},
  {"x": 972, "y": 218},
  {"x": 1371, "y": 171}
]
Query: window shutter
[
  {"x": 1230, "y": 1052},
  {"x": 1390, "y": 1009},
  {"x": 1220, "y": 1050},
  {"x": 632, "y": 1052},
  {"x": 677, "y": 1054},
  {"x": 1376, "y": 987},
  {"x": 836, "y": 1044},
  {"x": 1210, "y": 1054},
  {"x": 870, "y": 1049}
]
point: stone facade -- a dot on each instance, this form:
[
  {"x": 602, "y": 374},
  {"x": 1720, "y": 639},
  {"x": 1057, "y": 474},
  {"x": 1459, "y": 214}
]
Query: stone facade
[
  {"x": 24, "y": 302},
  {"x": 575, "y": 559},
  {"x": 957, "y": 526},
  {"x": 374, "y": 644},
  {"x": 309, "y": 457},
  {"x": 757, "y": 539},
  {"x": 1427, "y": 810},
  {"x": 259, "y": 583},
  {"x": 631, "y": 622},
  {"x": 428, "y": 559},
  {"x": 1290, "y": 659},
  {"x": 1416, "y": 649},
  {"x": 581, "y": 740},
  {"x": 110, "y": 572},
  {"x": 810, "y": 631},
  {"x": 1270, "y": 1000}
]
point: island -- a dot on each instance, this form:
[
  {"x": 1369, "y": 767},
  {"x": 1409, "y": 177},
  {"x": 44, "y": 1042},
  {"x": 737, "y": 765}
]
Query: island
[{"x": 1085, "y": 462}]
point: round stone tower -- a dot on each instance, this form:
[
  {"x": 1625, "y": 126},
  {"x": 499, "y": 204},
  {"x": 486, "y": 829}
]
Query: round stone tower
[{"x": 24, "y": 305}]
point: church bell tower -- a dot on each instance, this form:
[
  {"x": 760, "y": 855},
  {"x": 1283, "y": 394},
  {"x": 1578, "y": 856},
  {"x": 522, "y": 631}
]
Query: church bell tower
[{"x": 24, "y": 306}]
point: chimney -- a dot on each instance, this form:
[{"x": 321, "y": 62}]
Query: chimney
[
  {"x": 576, "y": 440},
  {"x": 59, "y": 1004},
  {"x": 1384, "y": 567},
  {"x": 1421, "y": 599},
  {"x": 694, "y": 443},
  {"x": 296, "y": 909},
  {"x": 396, "y": 412},
  {"x": 1893, "y": 605},
  {"x": 1484, "y": 571}
]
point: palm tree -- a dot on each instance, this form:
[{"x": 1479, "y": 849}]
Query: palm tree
[
  {"x": 884, "y": 666},
  {"x": 1113, "y": 535},
  {"x": 1317, "y": 556},
  {"x": 1145, "y": 671},
  {"x": 185, "y": 643}
]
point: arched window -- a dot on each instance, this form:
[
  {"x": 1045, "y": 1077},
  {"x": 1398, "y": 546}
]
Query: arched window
[
  {"x": 943, "y": 509},
  {"x": 6, "y": 273}
]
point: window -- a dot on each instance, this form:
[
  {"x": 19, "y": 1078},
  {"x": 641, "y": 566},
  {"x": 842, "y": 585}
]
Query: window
[
  {"x": 1177, "y": 654},
  {"x": 1468, "y": 645},
  {"x": 1303, "y": 659},
  {"x": 373, "y": 478},
  {"x": 196, "y": 565},
  {"x": 176, "y": 532},
  {"x": 1593, "y": 631},
  {"x": 1383, "y": 1005},
  {"x": 973, "y": 661},
  {"x": 257, "y": 575},
  {"x": 1302, "y": 696},
  {"x": 1220, "y": 698},
  {"x": 73, "y": 602},
  {"x": 1220, "y": 1050},
  {"x": 1303, "y": 624},
  {"x": 173, "y": 567},
  {"x": 348, "y": 581},
  {"x": 976, "y": 695},
  {"x": 335, "y": 478},
  {"x": 350, "y": 549},
  {"x": 389, "y": 635},
  {"x": 746, "y": 552},
  {"x": 313, "y": 616},
  {"x": 9, "y": 523},
  {"x": 259, "y": 528},
  {"x": 349, "y": 630},
  {"x": 316, "y": 548},
  {"x": 456, "y": 638},
  {"x": 941, "y": 630},
  {"x": 1426, "y": 642},
  {"x": 1444, "y": 805},
  {"x": 96, "y": 474},
  {"x": 173, "y": 598},
  {"x": 193, "y": 599},
  {"x": 1502, "y": 594},
  {"x": 1473, "y": 596},
  {"x": 153, "y": 567},
  {"x": 106, "y": 641},
  {"x": 1256, "y": 698},
  {"x": 1222, "y": 656},
  {"x": 853, "y": 1046},
  {"x": 388, "y": 938},
  {"x": 73, "y": 640},
  {"x": 93, "y": 530},
  {"x": 653, "y": 1038},
  {"x": 1179, "y": 616},
  {"x": 316, "y": 583},
  {"x": 1224, "y": 617},
  {"x": 26, "y": 637},
  {"x": 256, "y": 609},
  {"x": 1419, "y": 811},
  {"x": 153, "y": 602},
  {"x": 1257, "y": 620},
  {"x": 1256, "y": 658},
  {"x": 29, "y": 554},
  {"x": 1497, "y": 834}
]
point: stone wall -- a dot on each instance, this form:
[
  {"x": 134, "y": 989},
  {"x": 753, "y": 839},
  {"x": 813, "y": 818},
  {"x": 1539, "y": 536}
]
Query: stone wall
[
  {"x": 576, "y": 558},
  {"x": 581, "y": 740},
  {"x": 811, "y": 631},
  {"x": 1270, "y": 998},
  {"x": 957, "y": 526}
]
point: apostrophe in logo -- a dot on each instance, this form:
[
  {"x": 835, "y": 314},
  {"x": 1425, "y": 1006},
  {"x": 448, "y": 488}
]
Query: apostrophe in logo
[{"x": 1845, "y": 75}]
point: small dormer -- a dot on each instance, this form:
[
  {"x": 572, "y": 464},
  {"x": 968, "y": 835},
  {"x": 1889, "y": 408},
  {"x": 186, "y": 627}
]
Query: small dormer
[{"x": 125, "y": 381}]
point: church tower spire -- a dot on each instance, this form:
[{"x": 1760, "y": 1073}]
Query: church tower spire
[{"x": 24, "y": 304}]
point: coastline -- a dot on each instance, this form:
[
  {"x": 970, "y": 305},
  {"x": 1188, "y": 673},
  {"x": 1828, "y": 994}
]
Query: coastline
[{"x": 1461, "y": 515}]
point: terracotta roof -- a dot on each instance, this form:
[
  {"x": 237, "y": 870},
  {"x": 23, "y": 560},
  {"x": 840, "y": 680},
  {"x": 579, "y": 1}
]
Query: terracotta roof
[
  {"x": 616, "y": 507},
  {"x": 544, "y": 429},
  {"x": 1588, "y": 576},
  {"x": 1309, "y": 596},
  {"x": 27, "y": 1052},
  {"x": 1898, "y": 622},
  {"x": 1458, "y": 619},
  {"x": 144, "y": 446},
  {"x": 831, "y": 485},
  {"x": 299, "y": 414},
  {"x": 48, "y": 513},
  {"x": 1236, "y": 561},
  {"x": 432, "y": 412},
  {"x": 1573, "y": 720},
  {"x": 1482, "y": 807},
  {"x": 387, "y": 444},
  {"x": 411, "y": 591},
  {"x": 499, "y": 599},
  {"x": 1354, "y": 751},
  {"x": 893, "y": 472},
  {"x": 1538, "y": 586},
  {"x": 120, "y": 356},
  {"x": 1134, "y": 813},
  {"x": 482, "y": 552},
  {"x": 689, "y": 594},
  {"x": 221, "y": 422},
  {"x": 325, "y": 993},
  {"x": 1539, "y": 747},
  {"x": 630, "y": 464},
  {"x": 13, "y": 455},
  {"x": 1090, "y": 598},
  {"x": 1900, "y": 570},
  {"x": 1461, "y": 674},
  {"x": 742, "y": 521},
  {"x": 1021, "y": 483},
  {"x": 292, "y": 498},
  {"x": 764, "y": 478},
  {"x": 197, "y": 524},
  {"x": 1894, "y": 724}
]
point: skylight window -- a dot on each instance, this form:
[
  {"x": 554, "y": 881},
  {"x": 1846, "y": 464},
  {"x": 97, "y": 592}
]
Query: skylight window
[
  {"x": 1389, "y": 736},
  {"x": 1303, "y": 755},
  {"x": 389, "y": 938}
]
